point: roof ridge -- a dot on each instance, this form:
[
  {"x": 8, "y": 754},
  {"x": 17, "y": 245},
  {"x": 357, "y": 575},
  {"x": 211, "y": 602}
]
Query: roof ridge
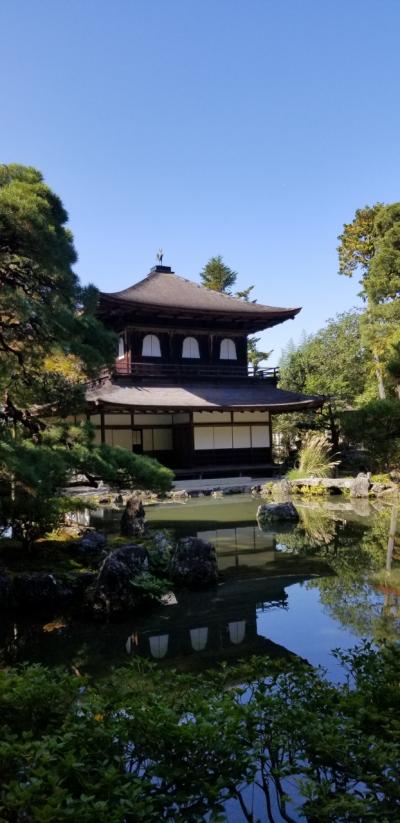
[{"x": 163, "y": 292}]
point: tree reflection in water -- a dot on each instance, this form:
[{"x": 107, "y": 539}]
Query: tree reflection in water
[{"x": 359, "y": 553}]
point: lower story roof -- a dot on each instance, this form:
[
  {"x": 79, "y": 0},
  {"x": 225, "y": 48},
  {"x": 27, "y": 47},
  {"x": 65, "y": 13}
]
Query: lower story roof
[{"x": 199, "y": 397}]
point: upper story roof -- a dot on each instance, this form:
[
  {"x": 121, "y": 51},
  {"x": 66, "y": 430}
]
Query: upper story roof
[{"x": 163, "y": 293}]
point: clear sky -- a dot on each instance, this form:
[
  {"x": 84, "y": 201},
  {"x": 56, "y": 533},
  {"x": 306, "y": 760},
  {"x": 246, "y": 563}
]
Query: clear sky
[{"x": 247, "y": 128}]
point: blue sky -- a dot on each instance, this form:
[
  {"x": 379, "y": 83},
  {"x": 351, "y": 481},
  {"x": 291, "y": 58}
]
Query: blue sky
[{"x": 247, "y": 128}]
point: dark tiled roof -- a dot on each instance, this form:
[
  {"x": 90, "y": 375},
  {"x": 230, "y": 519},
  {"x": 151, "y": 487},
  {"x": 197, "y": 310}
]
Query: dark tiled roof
[
  {"x": 168, "y": 290},
  {"x": 207, "y": 397}
]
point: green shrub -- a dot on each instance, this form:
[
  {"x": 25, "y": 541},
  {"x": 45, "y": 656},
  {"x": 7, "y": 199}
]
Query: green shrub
[
  {"x": 150, "y": 586},
  {"x": 142, "y": 747},
  {"x": 315, "y": 491}
]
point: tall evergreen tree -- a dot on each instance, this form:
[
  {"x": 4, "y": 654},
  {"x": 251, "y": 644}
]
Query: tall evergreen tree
[
  {"x": 217, "y": 276},
  {"x": 50, "y": 343}
]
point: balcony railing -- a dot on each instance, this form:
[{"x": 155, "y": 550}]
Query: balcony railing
[{"x": 190, "y": 371}]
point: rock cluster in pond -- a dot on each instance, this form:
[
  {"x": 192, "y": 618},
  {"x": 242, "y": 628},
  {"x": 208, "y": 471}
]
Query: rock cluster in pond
[
  {"x": 42, "y": 591},
  {"x": 271, "y": 512},
  {"x": 132, "y": 520},
  {"x": 194, "y": 563},
  {"x": 358, "y": 487},
  {"x": 113, "y": 591}
]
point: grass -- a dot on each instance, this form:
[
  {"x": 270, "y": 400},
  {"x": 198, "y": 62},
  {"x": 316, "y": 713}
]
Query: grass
[{"x": 314, "y": 458}]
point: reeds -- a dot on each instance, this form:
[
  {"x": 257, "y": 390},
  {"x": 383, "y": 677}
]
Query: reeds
[{"x": 315, "y": 459}]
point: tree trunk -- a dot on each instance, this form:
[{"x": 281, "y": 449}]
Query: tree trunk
[
  {"x": 379, "y": 377},
  {"x": 334, "y": 428}
]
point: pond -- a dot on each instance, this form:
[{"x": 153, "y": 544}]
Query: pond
[{"x": 293, "y": 590}]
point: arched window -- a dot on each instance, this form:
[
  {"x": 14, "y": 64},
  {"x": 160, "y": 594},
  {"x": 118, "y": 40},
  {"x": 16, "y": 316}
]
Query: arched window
[
  {"x": 198, "y": 639},
  {"x": 159, "y": 645},
  {"x": 151, "y": 346},
  {"x": 121, "y": 347},
  {"x": 227, "y": 350},
  {"x": 190, "y": 348},
  {"x": 237, "y": 631}
]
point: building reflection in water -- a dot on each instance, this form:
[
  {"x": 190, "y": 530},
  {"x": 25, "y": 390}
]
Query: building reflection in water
[{"x": 224, "y": 619}]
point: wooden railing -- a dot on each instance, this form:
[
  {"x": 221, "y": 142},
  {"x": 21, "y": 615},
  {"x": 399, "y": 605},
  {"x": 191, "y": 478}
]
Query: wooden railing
[{"x": 190, "y": 371}]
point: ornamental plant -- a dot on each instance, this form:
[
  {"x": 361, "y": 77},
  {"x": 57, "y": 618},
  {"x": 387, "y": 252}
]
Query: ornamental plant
[{"x": 314, "y": 457}]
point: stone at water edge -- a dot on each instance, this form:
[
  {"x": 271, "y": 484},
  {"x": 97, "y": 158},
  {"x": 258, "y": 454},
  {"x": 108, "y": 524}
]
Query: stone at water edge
[
  {"x": 132, "y": 520},
  {"x": 268, "y": 512},
  {"x": 280, "y": 491},
  {"x": 194, "y": 563},
  {"x": 360, "y": 485},
  {"x": 178, "y": 494},
  {"x": 378, "y": 488},
  {"x": 113, "y": 592}
]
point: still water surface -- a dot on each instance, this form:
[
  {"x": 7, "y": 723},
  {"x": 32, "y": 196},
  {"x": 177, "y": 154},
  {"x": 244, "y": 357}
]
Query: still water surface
[{"x": 301, "y": 590}]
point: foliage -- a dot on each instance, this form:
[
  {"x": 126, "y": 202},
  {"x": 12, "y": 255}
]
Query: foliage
[
  {"x": 357, "y": 242},
  {"x": 217, "y": 276},
  {"x": 140, "y": 746},
  {"x": 380, "y": 335},
  {"x": 393, "y": 366},
  {"x": 32, "y": 475},
  {"x": 50, "y": 343},
  {"x": 254, "y": 355},
  {"x": 377, "y": 426},
  {"x": 370, "y": 246},
  {"x": 314, "y": 457},
  {"x": 308, "y": 368},
  {"x": 310, "y": 491},
  {"x": 45, "y": 312},
  {"x": 150, "y": 586}
]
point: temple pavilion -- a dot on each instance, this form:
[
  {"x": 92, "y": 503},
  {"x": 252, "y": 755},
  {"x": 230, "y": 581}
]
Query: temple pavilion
[{"x": 181, "y": 389}]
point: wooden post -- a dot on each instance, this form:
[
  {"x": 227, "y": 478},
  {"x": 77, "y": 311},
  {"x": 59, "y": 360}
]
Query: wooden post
[{"x": 392, "y": 537}]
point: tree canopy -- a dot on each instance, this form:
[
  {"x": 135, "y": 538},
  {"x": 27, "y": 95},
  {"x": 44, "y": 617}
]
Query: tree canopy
[
  {"x": 217, "y": 276},
  {"x": 370, "y": 246},
  {"x": 47, "y": 320},
  {"x": 50, "y": 343}
]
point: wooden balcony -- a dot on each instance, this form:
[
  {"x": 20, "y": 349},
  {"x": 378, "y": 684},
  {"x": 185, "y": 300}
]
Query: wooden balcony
[{"x": 184, "y": 372}]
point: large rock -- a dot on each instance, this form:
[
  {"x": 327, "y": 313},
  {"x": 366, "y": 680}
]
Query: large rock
[
  {"x": 180, "y": 495},
  {"x": 271, "y": 512},
  {"x": 360, "y": 486},
  {"x": 90, "y": 544},
  {"x": 113, "y": 592},
  {"x": 194, "y": 563},
  {"x": 378, "y": 488},
  {"x": 42, "y": 590},
  {"x": 132, "y": 520}
]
